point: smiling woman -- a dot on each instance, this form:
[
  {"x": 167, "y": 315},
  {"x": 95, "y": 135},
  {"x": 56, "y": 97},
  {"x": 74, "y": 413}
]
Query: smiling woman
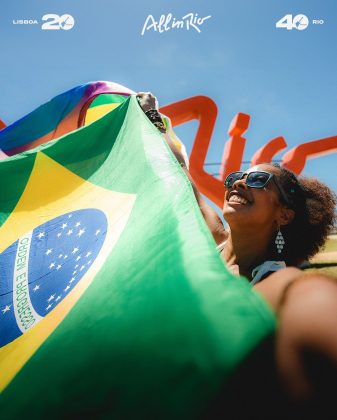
[
  {"x": 291, "y": 218},
  {"x": 276, "y": 220}
]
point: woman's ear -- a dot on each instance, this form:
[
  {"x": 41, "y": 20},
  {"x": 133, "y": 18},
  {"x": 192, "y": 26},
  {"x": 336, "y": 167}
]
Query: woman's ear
[{"x": 286, "y": 216}]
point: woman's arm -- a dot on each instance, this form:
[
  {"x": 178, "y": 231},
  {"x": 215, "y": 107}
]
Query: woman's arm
[
  {"x": 306, "y": 341},
  {"x": 211, "y": 217},
  {"x": 147, "y": 102}
]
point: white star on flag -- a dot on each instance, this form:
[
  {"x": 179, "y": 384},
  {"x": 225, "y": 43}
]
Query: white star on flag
[
  {"x": 70, "y": 231},
  {"x": 40, "y": 235},
  {"x": 80, "y": 233},
  {"x": 52, "y": 265},
  {"x": 64, "y": 225},
  {"x": 6, "y": 309},
  {"x": 51, "y": 298},
  {"x": 36, "y": 288},
  {"x": 49, "y": 251},
  {"x": 75, "y": 250}
]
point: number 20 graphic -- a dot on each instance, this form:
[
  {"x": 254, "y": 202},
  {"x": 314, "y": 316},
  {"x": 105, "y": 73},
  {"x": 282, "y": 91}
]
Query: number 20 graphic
[{"x": 56, "y": 22}]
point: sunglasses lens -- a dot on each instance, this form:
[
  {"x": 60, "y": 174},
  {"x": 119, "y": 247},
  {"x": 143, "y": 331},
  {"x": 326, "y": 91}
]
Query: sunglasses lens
[
  {"x": 257, "y": 179},
  {"x": 232, "y": 178}
]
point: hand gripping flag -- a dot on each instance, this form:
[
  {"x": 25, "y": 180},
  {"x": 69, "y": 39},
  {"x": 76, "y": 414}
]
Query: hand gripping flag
[
  {"x": 113, "y": 300},
  {"x": 66, "y": 112}
]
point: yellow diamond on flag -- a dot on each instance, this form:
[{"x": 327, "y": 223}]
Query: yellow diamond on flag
[{"x": 53, "y": 191}]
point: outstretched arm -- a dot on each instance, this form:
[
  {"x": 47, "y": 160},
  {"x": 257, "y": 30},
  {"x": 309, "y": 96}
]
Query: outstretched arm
[
  {"x": 306, "y": 341},
  {"x": 148, "y": 102}
]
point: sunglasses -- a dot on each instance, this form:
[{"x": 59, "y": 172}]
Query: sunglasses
[{"x": 255, "y": 179}]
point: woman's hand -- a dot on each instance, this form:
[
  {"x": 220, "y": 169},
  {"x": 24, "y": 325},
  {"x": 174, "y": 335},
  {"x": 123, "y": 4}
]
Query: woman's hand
[
  {"x": 149, "y": 105},
  {"x": 147, "y": 101}
]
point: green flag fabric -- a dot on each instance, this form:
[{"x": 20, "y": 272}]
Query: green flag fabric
[{"x": 114, "y": 301}]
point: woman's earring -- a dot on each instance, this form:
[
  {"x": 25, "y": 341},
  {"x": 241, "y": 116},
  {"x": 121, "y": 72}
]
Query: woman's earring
[{"x": 279, "y": 241}]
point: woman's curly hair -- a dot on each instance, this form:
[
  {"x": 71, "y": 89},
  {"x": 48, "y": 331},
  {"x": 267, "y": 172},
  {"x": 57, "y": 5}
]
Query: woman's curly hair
[{"x": 314, "y": 204}]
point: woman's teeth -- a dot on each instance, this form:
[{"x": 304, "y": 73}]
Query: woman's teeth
[{"x": 237, "y": 199}]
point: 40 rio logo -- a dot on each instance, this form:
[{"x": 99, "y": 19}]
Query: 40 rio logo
[{"x": 299, "y": 22}]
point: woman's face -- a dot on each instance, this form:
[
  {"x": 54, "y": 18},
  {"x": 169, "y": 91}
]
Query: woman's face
[{"x": 259, "y": 208}]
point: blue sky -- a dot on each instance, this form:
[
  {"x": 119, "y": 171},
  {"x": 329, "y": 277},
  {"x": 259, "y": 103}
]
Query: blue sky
[{"x": 286, "y": 80}]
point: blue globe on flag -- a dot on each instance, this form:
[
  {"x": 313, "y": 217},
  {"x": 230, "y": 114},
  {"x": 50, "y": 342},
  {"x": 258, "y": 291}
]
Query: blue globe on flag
[{"x": 43, "y": 266}]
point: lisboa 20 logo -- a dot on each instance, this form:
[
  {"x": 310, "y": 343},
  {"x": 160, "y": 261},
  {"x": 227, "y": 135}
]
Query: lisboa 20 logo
[{"x": 55, "y": 22}]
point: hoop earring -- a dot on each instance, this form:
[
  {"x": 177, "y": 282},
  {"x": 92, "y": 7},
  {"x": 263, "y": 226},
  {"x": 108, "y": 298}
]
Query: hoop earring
[{"x": 279, "y": 241}]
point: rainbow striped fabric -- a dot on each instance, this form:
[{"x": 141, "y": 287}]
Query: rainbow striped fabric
[
  {"x": 67, "y": 112},
  {"x": 61, "y": 115}
]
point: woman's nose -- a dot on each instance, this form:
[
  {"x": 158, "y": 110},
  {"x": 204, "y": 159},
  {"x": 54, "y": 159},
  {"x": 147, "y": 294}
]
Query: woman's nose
[{"x": 240, "y": 183}]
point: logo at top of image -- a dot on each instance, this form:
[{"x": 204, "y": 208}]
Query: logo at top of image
[
  {"x": 54, "y": 22},
  {"x": 299, "y": 22},
  {"x": 51, "y": 21},
  {"x": 168, "y": 22}
]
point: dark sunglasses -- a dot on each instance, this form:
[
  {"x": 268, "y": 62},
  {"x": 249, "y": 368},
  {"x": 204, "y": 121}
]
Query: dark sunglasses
[{"x": 255, "y": 179}]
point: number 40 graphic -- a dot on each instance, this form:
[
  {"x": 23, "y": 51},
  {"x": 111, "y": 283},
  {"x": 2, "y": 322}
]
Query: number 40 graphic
[
  {"x": 289, "y": 22},
  {"x": 55, "y": 22}
]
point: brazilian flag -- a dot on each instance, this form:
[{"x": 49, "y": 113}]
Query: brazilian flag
[{"x": 113, "y": 300}]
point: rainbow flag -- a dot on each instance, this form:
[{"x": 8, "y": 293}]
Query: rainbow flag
[
  {"x": 114, "y": 302},
  {"x": 62, "y": 114},
  {"x": 67, "y": 112}
]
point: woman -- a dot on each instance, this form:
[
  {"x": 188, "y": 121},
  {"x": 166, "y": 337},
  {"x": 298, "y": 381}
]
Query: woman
[
  {"x": 275, "y": 219},
  {"x": 291, "y": 218},
  {"x": 276, "y": 222}
]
